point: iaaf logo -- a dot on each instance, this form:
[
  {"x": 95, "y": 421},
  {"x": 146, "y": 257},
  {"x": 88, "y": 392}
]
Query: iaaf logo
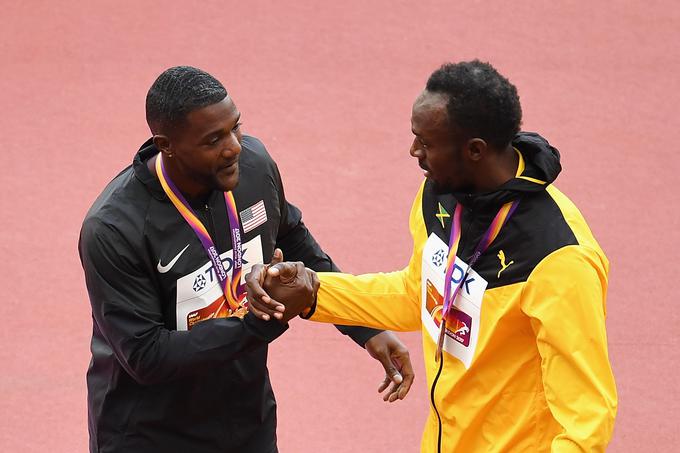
[{"x": 458, "y": 325}]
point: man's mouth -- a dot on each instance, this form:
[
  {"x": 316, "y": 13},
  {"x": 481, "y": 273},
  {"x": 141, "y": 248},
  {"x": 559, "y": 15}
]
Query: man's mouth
[
  {"x": 426, "y": 169},
  {"x": 230, "y": 167}
]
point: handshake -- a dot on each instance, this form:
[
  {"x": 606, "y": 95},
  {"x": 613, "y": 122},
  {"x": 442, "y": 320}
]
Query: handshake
[{"x": 282, "y": 290}]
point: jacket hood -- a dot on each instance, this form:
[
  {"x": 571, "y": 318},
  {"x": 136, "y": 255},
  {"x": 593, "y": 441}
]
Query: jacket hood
[
  {"x": 539, "y": 166},
  {"x": 142, "y": 173}
]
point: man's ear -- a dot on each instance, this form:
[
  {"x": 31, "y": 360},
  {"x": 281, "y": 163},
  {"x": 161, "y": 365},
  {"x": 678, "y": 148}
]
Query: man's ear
[
  {"x": 476, "y": 149},
  {"x": 162, "y": 142}
]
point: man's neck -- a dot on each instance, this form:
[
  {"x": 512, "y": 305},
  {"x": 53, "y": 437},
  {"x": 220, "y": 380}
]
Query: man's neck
[
  {"x": 501, "y": 168},
  {"x": 189, "y": 189}
]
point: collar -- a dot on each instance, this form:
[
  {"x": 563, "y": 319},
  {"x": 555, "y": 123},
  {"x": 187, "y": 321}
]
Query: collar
[{"x": 142, "y": 173}]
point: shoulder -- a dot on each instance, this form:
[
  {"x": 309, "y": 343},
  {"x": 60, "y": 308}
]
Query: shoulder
[
  {"x": 573, "y": 218},
  {"x": 119, "y": 210},
  {"x": 573, "y": 245},
  {"x": 547, "y": 230}
]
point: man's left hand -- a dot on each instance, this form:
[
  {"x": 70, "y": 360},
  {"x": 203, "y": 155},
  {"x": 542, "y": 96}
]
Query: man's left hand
[{"x": 394, "y": 357}]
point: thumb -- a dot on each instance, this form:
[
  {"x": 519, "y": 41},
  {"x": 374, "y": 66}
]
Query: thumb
[
  {"x": 278, "y": 257},
  {"x": 285, "y": 271},
  {"x": 391, "y": 370},
  {"x": 288, "y": 273}
]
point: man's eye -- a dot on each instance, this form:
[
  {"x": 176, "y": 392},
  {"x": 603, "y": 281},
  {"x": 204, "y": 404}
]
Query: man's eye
[{"x": 237, "y": 127}]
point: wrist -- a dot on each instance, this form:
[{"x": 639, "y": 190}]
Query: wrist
[{"x": 306, "y": 314}]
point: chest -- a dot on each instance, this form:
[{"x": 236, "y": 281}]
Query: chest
[{"x": 186, "y": 277}]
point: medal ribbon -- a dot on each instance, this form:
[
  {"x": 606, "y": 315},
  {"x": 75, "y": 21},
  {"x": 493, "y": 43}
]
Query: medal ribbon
[
  {"x": 498, "y": 222},
  {"x": 234, "y": 291}
]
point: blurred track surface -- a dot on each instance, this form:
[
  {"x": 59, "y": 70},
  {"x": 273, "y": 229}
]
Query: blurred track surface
[{"x": 328, "y": 87}]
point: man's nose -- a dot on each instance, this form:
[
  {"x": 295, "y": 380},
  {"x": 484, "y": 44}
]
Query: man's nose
[
  {"x": 415, "y": 150},
  {"x": 232, "y": 146}
]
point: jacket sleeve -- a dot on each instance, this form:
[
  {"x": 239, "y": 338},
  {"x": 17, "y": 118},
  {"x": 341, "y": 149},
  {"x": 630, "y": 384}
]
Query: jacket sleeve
[
  {"x": 565, "y": 300},
  {"x": 297, "y": 244},
  {"x": 383, "y": 300},
  {"x": 127, "y": 310}
]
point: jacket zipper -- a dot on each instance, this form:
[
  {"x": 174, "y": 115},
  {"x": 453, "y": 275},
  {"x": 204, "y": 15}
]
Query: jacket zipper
[
  {"x": 434, "y": 406},
  {"x": 441, "y": 359}
]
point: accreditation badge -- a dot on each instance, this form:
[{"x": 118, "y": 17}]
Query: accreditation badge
[
  {"x": 199, "y": 295},
  {"x": 463, "y": 322}
]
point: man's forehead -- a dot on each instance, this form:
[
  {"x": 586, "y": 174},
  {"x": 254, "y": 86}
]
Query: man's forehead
[
  {"x": 210, "y": 116},
  {"x": 429, "y": 110}
]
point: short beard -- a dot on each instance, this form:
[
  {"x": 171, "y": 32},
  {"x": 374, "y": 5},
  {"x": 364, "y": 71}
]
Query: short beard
[{"x": 441, "y": 189}]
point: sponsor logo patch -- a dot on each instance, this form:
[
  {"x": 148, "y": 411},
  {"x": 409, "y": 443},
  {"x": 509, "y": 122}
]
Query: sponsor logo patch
[
  {"x": 464, "y": 319},
  {"x": 458, "y": 325},
  {"x": 163, "y": 269},
  {"x": 199, "y": 295},
  {"x": 501, "y": 257}
]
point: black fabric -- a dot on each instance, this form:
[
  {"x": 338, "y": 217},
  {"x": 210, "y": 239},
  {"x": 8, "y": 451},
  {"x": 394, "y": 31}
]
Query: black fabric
[
  {"x": 151, "y": 386},
  {"x": 537, "y": 220}
]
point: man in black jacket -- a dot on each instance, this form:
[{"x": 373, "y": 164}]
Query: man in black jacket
[{"x": 178, "y": 364}]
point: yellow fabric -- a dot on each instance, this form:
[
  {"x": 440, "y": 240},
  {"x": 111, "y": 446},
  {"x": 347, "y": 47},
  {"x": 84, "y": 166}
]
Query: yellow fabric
[
  {"x": 520, "y": 163},
  {"x": 540, "y": 379},
  {"x": 520, "y": 170}
]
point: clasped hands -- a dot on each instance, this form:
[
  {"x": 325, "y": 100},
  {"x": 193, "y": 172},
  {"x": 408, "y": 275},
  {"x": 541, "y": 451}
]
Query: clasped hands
[
  {"x": 283, "y": 290},
  {"x": 280, "y": 289}
]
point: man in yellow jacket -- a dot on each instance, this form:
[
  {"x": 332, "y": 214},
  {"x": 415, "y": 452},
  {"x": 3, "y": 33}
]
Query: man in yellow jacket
[{"x": 514, "y": 344}]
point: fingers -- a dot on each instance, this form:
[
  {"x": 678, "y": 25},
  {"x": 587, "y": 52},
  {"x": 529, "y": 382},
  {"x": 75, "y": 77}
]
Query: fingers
[
  {"x": 285, "y": 271},
  {"x": 394, "y": 357},
  {"x": 392, "y": 374},
  {"x": 265, "y": 311},
  {"x": 254, "y": 281},
  {"x": 259, "y": 302},
  {"x": 289, "y": 272},
  {"x": 277, "y": 258},
  {"x": 395, "y": 378},
  {"x": 385, "y": 383},
  {"x": 392, "y": 395},
  {"x": 407, "y": 373}
]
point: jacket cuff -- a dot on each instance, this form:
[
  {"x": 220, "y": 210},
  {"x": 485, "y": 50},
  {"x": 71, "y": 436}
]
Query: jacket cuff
[
  {"x": 359, "y": 334},
  {"x": 311, "y": 310},
  {"x": 265, "y": 330}
]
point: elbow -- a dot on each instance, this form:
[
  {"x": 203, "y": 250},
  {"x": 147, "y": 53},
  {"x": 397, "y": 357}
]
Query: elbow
[
  {"x": 146, "y": 365},
  {"x": 144, "y": 376},
  {"x": 143, "y": 372}
]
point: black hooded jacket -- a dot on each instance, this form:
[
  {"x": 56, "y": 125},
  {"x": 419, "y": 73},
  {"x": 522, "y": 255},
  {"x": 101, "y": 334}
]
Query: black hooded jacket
[{"x": 158, "y": 380}]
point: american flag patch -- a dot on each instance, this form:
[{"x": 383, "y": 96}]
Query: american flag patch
[{"x": 253, "y": 216}]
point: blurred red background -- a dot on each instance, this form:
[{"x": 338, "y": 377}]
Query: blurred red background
[{"x": 328, "y": 87}]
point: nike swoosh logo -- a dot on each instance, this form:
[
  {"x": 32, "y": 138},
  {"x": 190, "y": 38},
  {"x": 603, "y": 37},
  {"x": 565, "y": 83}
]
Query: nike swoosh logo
[{"x": 163, "y": 269}]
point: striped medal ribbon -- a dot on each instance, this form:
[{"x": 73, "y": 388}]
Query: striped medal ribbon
[
  {"x": 498, "y": 222},
  {"x": 234, "y": 291}
]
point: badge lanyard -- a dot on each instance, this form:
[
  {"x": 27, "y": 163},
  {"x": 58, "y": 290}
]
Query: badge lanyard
[
  {"x": 234, "y": 291},
  {"x": 498, "y": 222}
]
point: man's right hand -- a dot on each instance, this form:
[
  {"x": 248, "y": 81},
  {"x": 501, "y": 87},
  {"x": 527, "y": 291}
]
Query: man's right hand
[{"x": 282, "y": 290}]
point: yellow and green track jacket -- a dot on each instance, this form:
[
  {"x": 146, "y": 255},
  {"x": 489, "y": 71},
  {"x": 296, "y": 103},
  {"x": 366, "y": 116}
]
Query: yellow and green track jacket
[{"x": 525, "y": 367}]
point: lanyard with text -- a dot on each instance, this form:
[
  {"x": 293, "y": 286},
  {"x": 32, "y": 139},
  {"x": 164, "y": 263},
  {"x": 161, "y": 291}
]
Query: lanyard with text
[
  {"x": 498, "y": 222},
  {"x": 234, "y": 292}
]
